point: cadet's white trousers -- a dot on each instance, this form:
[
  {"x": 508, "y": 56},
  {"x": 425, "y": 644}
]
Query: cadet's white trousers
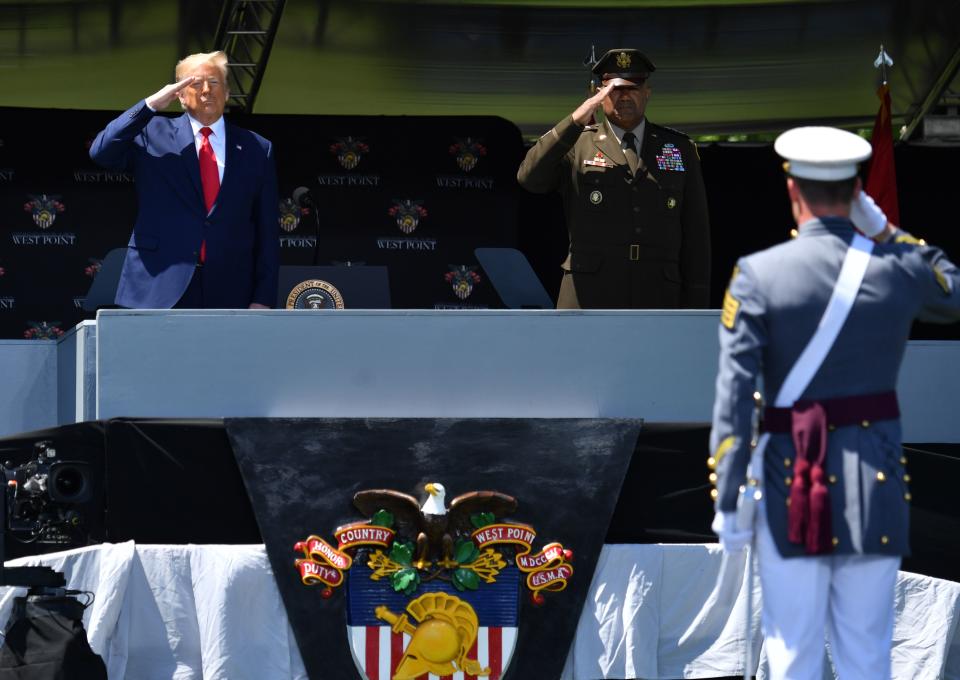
[{"x": 848, "y": 596}]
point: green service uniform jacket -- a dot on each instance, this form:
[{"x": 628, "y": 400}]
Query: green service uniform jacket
[{"x": 636, "y": 242}]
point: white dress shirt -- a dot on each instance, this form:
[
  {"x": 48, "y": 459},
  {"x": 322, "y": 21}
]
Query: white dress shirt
[{"x": 638, "y": 131}]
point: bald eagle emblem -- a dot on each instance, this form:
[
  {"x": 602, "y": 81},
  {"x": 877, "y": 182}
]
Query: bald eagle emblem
[{"x": 432, "y": 586}]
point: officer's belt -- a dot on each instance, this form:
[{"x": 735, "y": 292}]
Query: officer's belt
[
  {"x": 841, "y": 411},
  {"x": 634, "y": 252}
]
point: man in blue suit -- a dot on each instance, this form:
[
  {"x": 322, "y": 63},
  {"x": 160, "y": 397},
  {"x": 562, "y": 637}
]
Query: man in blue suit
[{"x": 206, "y": 234}]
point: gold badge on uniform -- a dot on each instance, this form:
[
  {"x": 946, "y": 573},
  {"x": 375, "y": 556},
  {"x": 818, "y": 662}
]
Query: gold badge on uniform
[
  {"x": 671, "y": 203},
  {"x": 623, "y": 60},
  {"x": 596, "y": 197},
  {"x": 731, "y": 305}
]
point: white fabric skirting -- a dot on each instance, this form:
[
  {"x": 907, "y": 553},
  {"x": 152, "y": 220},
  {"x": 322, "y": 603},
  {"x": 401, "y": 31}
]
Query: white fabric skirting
[{"x": 212, "y": 612}]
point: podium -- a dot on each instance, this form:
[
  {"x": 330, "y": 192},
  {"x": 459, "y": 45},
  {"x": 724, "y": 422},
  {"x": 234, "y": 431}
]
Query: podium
[{"x": 328, "y": 287}]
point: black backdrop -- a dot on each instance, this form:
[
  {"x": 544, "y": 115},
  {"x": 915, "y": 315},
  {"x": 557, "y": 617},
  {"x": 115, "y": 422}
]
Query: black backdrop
[
  {"x": 177, "y": 481},
  {"x": 46, "y": 266}
]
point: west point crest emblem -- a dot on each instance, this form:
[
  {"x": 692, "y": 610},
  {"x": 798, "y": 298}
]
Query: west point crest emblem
[
  {"x": 93, "y": 268},
  {"x": 290, "y": 214},
  {"x": 623, "y": 60},
  {"x": 349, "y": 151},
  {"x": 407, "y": 214},
  {"x": 44, "y": 209},
  {"x": 463, "y": 279},
  {"x": 468, "y": 152},
  {"x": 432, "y": 589}
]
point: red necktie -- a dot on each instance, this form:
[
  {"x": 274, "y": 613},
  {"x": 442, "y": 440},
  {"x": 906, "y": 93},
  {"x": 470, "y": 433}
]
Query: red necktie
[{"x": 209, "y": 178}]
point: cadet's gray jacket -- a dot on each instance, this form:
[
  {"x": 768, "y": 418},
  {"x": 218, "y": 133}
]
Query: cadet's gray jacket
[
  {"x": 773, "y": 305},
  {"x": 636, "y": 241}
]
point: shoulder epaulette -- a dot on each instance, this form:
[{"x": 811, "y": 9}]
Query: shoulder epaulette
[
  {"x": 670, "y": 130},
  {"x": 910, "y": 239}
]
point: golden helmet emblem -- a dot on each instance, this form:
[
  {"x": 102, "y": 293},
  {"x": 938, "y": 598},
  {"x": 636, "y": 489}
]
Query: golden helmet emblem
[{"x": 440, "y": 643}]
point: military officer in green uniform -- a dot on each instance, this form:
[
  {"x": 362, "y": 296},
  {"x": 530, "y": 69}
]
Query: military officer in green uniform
[{"x": 633, "y": 195}]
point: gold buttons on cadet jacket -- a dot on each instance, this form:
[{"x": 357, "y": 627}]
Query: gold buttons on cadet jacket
[
  {"x": 906, "y": 478},
  {"x": 713, "y": 478},
  {"x": 714, "y": 493},
  {"x": 712, "y": 463},
  {"x": 835, "y": 541},
  {"x": 881, "y": 477},
  {"x": 903, "y": 460},
  {"x": 864, "y": 423},
  {"x": 787, "y": 462},
  {"x": 832, "y": 479},
  {"x": 788, "y": 480},
  {"x": 884, "y": 539},
  {"x": 908, "y": 497}
]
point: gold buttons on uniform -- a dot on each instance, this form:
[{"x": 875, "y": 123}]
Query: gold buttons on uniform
[
  {"x": 787, "y": 462},
  {"x": 906, "y": 478},
  {"x": 832, "y": 479},
  {"x": 713, "y": 477},
  {"x": 794, "y": 233},
  {"x": 864, "y": 423},
  {"x": 881, "y": 477},
  {"x": 884, "y": 539},
  {"x": 712, "y": 463},
  {"x": 908, "y": 497},
  {"x": 903, "y": 460},
  {"x": 788, "y": 502},
  {"x": 714, "y": 493},
  {"x": 835, "y": 541},
  {"x": 788, "y": 480}
]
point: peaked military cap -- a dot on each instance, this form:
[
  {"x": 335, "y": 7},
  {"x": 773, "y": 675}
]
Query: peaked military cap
[
  {"x": 628, "y": 64},
  {"x": 824, "y": 154}
]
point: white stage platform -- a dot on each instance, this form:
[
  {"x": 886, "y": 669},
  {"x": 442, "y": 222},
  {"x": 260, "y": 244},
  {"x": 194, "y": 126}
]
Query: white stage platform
[
  {"x": 188, "y": 612},
  {"x": 655, "y": 365}
]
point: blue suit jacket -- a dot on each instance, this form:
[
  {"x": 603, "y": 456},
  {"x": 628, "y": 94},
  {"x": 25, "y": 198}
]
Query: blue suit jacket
[{"x": 241, "y": 231}]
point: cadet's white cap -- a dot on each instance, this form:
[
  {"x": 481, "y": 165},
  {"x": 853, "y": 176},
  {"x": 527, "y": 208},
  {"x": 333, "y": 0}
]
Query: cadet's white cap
[{"x": 825, "y": 154}]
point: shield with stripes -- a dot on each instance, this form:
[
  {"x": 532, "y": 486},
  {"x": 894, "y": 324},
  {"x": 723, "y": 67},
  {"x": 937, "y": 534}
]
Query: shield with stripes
[{"x": 437, "y": 632}]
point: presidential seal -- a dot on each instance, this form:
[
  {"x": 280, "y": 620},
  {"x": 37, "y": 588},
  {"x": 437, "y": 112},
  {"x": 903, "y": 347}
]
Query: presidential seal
[{"x": 314, "y": 294}]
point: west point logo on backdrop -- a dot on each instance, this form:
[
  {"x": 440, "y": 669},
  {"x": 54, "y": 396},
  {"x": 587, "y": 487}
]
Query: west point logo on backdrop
[
  {"x": 433, "y": 589},
  {"x": 290, "y": 215},
  {"x": 93, "y": 267},
  {"x": 467, "y": 152},
  {"x": 349, "y": 152},
  {"x": 462, "y": 278},
  {"x": 42, "y": 330},
  {"x": 97, "y": 175},
  {"x": 102, "y": 177},
  {"x": 43, "y": 210},
  {"x": 407, "y": 214}
]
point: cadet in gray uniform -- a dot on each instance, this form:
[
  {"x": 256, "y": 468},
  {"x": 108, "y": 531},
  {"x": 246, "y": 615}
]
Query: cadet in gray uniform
[
  {"x": 633, "y": 196},
  {"x": 833, "y": 523}
]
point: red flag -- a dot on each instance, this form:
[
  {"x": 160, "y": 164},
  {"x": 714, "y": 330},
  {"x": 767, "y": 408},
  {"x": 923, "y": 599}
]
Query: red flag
[{"x": 882, "y": 175}]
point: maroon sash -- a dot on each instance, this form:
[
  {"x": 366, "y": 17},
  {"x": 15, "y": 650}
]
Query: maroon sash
[{"x": 808, "y": 516}]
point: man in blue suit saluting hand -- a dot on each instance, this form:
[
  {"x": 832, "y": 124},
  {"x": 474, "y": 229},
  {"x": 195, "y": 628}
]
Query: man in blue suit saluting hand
[{"x": 206, "y": 234}]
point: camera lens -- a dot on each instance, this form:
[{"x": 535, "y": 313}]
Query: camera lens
[{"x": 67, "y": 483}]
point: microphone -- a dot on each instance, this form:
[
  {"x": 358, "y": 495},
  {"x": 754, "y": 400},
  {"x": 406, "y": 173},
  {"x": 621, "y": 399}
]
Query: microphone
[{"x": 303, "y": 198}]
